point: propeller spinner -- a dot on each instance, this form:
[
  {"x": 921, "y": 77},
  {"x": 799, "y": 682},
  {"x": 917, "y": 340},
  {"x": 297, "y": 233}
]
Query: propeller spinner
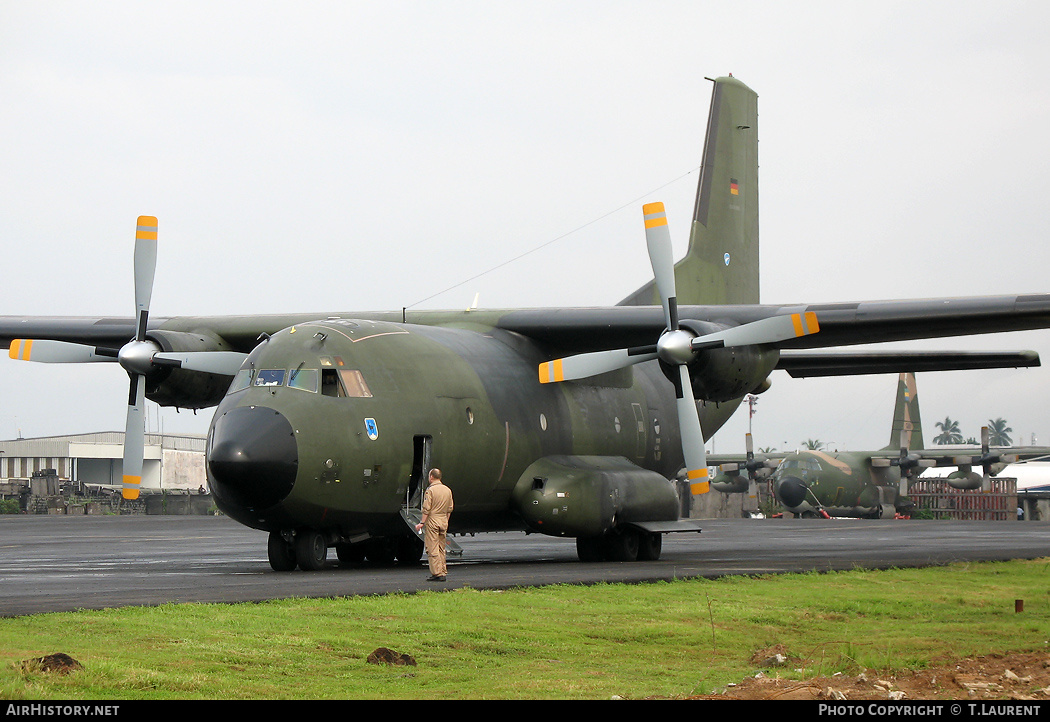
[
  {"x": 138, "y": 356},
  {"x": 677, "y": 346}
]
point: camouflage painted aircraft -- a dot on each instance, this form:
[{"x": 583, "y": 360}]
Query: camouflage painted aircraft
[
  {"x": 866, "y": 484},
  {"x": 562, "y": 421}
]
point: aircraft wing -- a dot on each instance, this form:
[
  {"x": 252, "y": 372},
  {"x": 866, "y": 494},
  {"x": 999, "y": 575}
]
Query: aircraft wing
[
  {"x": 956, "y": 456},
  {"x": 583, "y": 329},
  {"x": 881, "y": 321},
  {"x": 734, "y": 462},
  {"x": 589, "y": 329},
  {"x": 240, "y": 333},
  {"x": 720, "y": 459}
]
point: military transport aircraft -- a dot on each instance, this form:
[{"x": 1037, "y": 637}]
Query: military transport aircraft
[
  {"x": 866, "y": 484},
  {"x": 562, "y": 421}
]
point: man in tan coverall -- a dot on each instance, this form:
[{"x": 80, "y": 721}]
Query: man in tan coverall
[{"x": 437, "y": 507}]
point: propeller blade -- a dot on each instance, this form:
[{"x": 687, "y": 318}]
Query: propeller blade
[
  {"x": 58, "y": 352},
  {"x": 145, "y": 270},
  {"x": 766, "y": 330},
  {"x": 134, "y": 438},
  {"x": 584, "y": 365},
  {"x": 226, "y": 363},
  {"x": 661, "y": 256},
  {"x": 692, "y": 435}
]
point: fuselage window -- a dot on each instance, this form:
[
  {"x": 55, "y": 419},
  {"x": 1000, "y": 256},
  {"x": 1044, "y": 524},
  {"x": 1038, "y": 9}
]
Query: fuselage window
[
  {"x": 269, "y": 377},
  {"x": 305, "y": 379}
]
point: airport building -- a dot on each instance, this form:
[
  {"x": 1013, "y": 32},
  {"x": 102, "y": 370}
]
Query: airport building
[{"x": 92, "y": 463}]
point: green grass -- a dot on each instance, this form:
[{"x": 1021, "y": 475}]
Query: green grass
[{"x": 668, "y": 639}]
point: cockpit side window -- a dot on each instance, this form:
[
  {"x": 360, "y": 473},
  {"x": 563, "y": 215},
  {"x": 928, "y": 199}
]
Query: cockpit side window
[
  {"x": 241, "y": 381},
  {"x": 355, "y": 384}
]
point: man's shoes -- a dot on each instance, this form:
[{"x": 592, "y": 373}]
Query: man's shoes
[{"x": 435, "y": 578}]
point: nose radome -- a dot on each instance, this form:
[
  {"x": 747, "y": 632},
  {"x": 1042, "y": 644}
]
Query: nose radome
[
  {"x": 253, "y": 457},
  {"x": 791, "y": 490}
]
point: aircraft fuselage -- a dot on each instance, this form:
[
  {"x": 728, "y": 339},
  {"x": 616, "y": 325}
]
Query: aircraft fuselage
[
  {"x": 332, "y": 425},
  {"x": 842, "y": 484}
]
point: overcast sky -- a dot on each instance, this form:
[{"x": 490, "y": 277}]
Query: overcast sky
[{"x": 340, "y": 156}]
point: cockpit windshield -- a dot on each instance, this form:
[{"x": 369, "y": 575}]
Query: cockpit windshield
[
  {"x": 800, "y": 464},
  {"x": 269, "y": 377},
  {"x": 345, "y": 383},
  {"x": 305, "y": 379}
]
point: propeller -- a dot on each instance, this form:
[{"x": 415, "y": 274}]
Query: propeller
[
  {"x": 757, "y": 468},
  {"x": 677, "y": 346},
  {"x": 138, "y": 356}
]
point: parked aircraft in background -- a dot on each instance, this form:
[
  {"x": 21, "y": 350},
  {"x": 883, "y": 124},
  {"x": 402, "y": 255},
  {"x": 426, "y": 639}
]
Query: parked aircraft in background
[{"x": 868, "y": 484}]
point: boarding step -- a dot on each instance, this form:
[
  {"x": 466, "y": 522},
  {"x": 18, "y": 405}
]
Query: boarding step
[{"x": 414, "y": 516}]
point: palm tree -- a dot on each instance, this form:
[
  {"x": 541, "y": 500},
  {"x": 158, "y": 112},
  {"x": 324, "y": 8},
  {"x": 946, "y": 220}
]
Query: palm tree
[
  {"x": 813, "y": 444},
  {"x": 949, "y": 432},
  {"x": 999, "y": 433}
]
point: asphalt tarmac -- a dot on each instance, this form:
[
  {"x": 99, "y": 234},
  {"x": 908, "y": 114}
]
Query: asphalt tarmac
[{"x": 63, "y": 563}]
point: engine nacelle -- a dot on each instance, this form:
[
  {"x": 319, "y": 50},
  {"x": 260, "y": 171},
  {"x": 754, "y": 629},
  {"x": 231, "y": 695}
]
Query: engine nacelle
[
  {"x": 730, "y": 483},
  {"x": 723, "y": 374},
  {"x": 965, "y": 480},
  {"x": 587, "y": 496},
  {"x": 169, "y": 386}
]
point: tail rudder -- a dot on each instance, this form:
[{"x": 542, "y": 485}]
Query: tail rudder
[
  {"x": 907, "y": 425},
  {"x": 721, "y": 263}
]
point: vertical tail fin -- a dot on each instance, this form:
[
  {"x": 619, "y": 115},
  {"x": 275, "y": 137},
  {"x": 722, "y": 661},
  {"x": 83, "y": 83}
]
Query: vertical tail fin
[
  {"x": 907, "y": 425},
  {"x": 721, "y": 264}
]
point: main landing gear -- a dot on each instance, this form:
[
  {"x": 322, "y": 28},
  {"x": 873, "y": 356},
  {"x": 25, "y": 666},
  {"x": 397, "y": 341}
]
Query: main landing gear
[
  {"x": 307, "y": 549},
  {"x": 627, "y": 544}
]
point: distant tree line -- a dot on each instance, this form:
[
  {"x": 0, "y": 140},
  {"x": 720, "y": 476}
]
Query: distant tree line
[{"x": 998, "y": 433}]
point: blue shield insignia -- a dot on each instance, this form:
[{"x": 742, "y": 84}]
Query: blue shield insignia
[{"x": 372, "y": 429}]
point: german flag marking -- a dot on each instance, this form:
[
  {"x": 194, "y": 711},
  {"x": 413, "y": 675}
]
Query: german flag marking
[{"x": 734, "y": 187}]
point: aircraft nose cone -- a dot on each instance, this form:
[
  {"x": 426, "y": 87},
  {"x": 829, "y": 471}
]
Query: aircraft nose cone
[
  {"x": 791, "y": 490},
  {"x": 253, "y": 457}
]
